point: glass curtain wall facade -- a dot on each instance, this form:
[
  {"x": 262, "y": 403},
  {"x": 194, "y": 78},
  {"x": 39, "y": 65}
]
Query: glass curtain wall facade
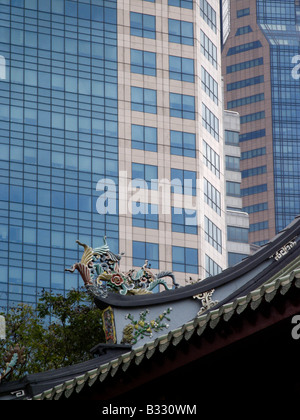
[
  {"x": 262, "y": 82},
  {"x": 59, "y": 136},
  {"x": 117, "y": 91},
  {"x": 280, "y": 23}
]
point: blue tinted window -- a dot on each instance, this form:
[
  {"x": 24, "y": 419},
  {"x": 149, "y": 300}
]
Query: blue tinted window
[
  {"x": 186, "y": 4},
  {"x": 143, "y": 100},
  {"x": 245, "y": 101},
  {"x": 245, "y": 65},
  {"x": 145, "y": 215},
  {"x": 143, "y": 62},
  {"x": 208, "y": 14},
  {"x": 181, "y": 32},
  {"x": 213, "y": 234},
  {"x": 142, "y": 251},
  {"x": 181, "y": 68},
  {"x": 144, "y": 138},
  {"x": 210, "y": 122},
  {"x": 235, "y": 258},
  {"x": 252, "y": 117},
  {"x": 142, "y": 25},
  {"x": 243, "y": 12},
  {"x": 208, "y": 49},
  {"x": 243, "y": 30},
  {"x": 185, "y": 260},
  {"x": 209, "y": 85},
  {"x": 147, "y": 173},
  {"x": 237, "y": 234},
  {"x": 183, "y": 144},
  {"x": 244, "y": 47},
  {"x": 256, "y": 189},
  {"x": 211, "y": 267},
  {"x": 233, "y": 189},
  {"x": 183, "y": 182},
  {"x": 70, "y": 8},
  {"x": 66, "y": 116},
  {"x": 184, "y": 221},
  {"x": 182, "y": 106}
]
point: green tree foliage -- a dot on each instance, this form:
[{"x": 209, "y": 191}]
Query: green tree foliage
[{"x": 59, "y": 332}]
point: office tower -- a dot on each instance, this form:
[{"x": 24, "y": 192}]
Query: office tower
[
  {"x": 97, "y": 93},
  {"x": 261, "y": 78},
  {"x": 237, "y": 220}
]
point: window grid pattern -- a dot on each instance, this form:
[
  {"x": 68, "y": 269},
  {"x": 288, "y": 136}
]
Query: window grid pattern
[
  {"x": 244, "y": 47},
  {"x": 184, "y": 221},
  {"x": 243, "y": 30},
  {"x": 211, "y": 159},
  {"x": 148, "y": 173},
  {"x": 209, "y": 85},
  {"x": 208, "y": 13},
  {"x": 235, "y": 258},
  {"x": 237, "y": 234},
  {"x": 256, "y": 189},
  {"x": 246, "y": 101},
  {"x": 243, "y": 12},
  {"x": 254, "y": 227},
  {"x": 245, "y": 65},
  {"x": 183, "y": 144},
  {"x": 181, "y": 32},
  {"x": 142, "y": 251},
  {"x": 211, "y": 267},
  {"x": 232, "y": 138},
  {"x": 261, "y": 151},
  {"x": 143, "y": 100},
  {"x": 210, "y": 122},
  {"x": 186, "y": 4},
  {"x": 212, "y": 197},
  {"x": 181, "y": 68},
  {"x": 252, "y": 135},
  {"x": 259, "y": 170},
  {"x": 145, "y": 215},
  {"x": 144, "y": 138},
  {"x": 253, "y": 117},
  {"x": 182, "y": 106},
  {"x": 256, "y": 208},
  {"x": 185, "y": 260},
  {"x": 56, "y": 123},
  {"x": 208, "y": 49},
  {"x": 142, "y": 25},
  {"x": 233, "y": 189},
  {"x": 232, "y": 163},
  {"x": 143, "y": 62},
  {"x": 246, "y": 82},
  {"x": 213, "y": 234},
  {"x": 183, "y": 181}
]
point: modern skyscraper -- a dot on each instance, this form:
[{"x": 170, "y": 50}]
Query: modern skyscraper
[
  {"x": 94, "y": 94},
  {"x": 237, "y": 220},
  {"x": 262, "y": 83}
]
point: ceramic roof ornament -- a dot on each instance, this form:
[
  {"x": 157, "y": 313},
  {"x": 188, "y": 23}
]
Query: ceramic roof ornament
[{"x": 100, "y": 272}]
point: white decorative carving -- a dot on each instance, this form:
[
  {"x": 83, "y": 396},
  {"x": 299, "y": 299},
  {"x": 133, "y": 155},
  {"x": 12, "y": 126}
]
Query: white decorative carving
[
  {"x": 206, "y": 300},
  {"x": 284, "y": 250}
]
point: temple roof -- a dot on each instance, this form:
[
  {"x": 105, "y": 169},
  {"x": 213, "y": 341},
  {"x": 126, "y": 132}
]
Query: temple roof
[
  {"x": 269, "y": 291},
  {"x": 200, "y": 326},
  {"x": 253, "y": 267}
]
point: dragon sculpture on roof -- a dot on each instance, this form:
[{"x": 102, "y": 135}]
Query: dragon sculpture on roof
[{"x": 100, "y": 271}]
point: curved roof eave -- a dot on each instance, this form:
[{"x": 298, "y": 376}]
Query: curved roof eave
[{"x": 292, "y": 231}]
